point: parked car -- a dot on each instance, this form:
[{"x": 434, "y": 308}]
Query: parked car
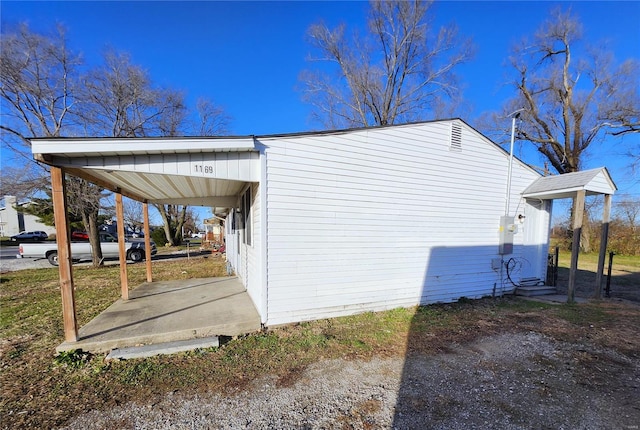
[
  {"x": 135, "y": 250},
  {"x": 37, "y": 236},
  {"x": 79, "y": 235}
]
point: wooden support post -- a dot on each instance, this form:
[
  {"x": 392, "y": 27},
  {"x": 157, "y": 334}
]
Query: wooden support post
[
  {"x": 124, "y": 281},
  {"x": 604, "y": 237},
  {"x": 58, "y": 195},
  {"x": 578, "y": 215},
  {"x": 147, "y": 240}
]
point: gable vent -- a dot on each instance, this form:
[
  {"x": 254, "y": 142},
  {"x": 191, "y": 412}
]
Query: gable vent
[{"x": 456, "y": 137}]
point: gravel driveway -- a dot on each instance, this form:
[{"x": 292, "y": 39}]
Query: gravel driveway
[{"x": 507, "y": 381}]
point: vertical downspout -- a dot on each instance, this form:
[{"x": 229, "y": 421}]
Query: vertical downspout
[{"x": 264, "y": 312}]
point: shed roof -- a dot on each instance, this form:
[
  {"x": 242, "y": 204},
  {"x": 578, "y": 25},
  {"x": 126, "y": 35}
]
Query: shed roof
[{"x": 594, "y": 181}]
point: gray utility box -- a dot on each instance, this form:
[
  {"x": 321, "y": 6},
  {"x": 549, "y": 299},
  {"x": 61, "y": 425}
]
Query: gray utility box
[{"x": 507, "y": 230}]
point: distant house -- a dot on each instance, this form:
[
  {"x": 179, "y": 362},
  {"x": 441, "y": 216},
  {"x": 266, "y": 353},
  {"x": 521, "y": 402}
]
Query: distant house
[
  {"x": 333, "y": 223},
  {"x": 12, "y": 221}
]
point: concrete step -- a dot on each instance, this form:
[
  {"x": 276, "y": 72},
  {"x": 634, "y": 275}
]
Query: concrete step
[
  {"x": 531, "y": 282},
  {"x": 535, "y": 290},
  {"x": 163, "y": 348}
]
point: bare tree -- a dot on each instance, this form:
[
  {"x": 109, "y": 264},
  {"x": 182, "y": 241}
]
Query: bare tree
[
  {"x": 124, "y": 102},
  {"x": 628, "y": 211},
  {"x": 39, "y": 92},
  {"x": 121, "y": 101},
  {"x": 192, "y": 221},
  {"x": 43, "y": 94},
  {"x": 400, "y": 71},
  {"x": 212, "y": 119},
  {"x": 88, "y": 209},
  {"x": 173, "y": 219},
  {"x": 570, "y": 97},
  {"x": 38, "y": 79},
  {"x": 133, "y": 214},
  {"x": 23, "y": 182}
]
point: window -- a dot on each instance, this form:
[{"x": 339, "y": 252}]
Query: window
[{"x": 246, "y": 216}]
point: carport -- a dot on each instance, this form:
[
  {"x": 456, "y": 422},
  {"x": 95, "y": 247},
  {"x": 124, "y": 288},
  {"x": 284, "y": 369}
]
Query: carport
[
  {"x": 186, "y": 171},
  {"x": 577, "y": 186}
]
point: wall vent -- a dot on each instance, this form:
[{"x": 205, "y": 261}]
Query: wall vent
[{"x": 456, "y": 137}]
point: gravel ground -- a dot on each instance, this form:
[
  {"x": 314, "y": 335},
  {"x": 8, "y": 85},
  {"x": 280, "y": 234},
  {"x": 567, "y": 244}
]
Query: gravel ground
[{"x": 507, "y": 381}]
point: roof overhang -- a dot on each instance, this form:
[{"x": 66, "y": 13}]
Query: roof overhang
[
  {"x": 191, "y": 171},
  {"x": 593, "y": 182}
]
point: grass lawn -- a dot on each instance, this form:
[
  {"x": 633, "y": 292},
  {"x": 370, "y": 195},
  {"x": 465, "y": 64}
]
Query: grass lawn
[
  {"x": 40, "y": 389},
  {"x": 625, "y": 282}
]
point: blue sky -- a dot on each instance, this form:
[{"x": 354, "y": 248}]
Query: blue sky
[{"x": 246, "y": 56}]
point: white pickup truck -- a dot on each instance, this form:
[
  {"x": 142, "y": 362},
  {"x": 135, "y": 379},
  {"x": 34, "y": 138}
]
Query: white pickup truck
[{"x": 83, "y": 251}]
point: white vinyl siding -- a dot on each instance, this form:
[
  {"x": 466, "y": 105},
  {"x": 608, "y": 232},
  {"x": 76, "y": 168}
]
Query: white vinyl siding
[
  {"x": 376, "y": 219},
  {"x": 254, "y": 283},
  {"x": 245, "y": 258}
]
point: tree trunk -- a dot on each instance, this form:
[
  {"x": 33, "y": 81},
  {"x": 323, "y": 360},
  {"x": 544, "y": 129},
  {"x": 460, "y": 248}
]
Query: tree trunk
[
  {"x": 166, "y": 224},
  {"x": 180, "y": 223},
  {"x": 90, "y": 221},
  {"x": 173, "y": 218}
]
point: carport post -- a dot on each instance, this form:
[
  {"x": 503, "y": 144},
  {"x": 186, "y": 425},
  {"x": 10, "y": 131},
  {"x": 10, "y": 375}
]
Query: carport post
[
  {"x": 65, "y": 270},
  {"x": 578, "y": 214},
  {"x": 124, "y": 281},
  {"x": 603, "y": 244},
  {"x": 147, "y": 240}
]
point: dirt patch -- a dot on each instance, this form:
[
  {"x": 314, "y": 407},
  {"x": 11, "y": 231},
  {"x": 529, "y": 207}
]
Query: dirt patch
[
  {"x": 493, "y": 363},
  {"x": 504, "y": 381}
]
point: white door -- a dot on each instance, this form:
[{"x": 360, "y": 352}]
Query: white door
[{"x": 535, "y": 227}]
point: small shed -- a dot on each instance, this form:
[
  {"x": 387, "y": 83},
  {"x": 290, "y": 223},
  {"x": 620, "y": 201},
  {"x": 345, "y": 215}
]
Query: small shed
[{"x": 333, "y": 223}]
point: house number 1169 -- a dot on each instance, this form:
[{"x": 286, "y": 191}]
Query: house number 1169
[{"x": 203, "y": 168}]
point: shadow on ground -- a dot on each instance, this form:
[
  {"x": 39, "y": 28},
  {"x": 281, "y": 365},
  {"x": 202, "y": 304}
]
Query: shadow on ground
[
  {"x": 624, "y": 284},
  {"x": 532, "y": 369}
]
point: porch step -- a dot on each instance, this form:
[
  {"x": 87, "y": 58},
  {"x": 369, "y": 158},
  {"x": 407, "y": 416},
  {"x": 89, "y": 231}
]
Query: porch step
[
  {"x": 163, "y": 348},
  {"x": 531, "y": 282},
  {"x": 535, "y": 290}
]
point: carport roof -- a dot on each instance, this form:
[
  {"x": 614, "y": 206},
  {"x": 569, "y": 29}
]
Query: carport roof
[
  {"x": 593, "y": 182},
  {"x": 107, "y": 146},
  {"x": 206, "y": 171}
]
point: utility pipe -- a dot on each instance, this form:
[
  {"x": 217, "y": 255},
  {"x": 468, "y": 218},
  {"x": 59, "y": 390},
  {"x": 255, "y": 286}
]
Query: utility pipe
[{"x": 514, "y": 115}]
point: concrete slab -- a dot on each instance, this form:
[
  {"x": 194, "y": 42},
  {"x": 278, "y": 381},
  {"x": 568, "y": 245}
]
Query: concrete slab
[
  {"x": 162, "y": 348},
  {"x": 554, "y": 298},
  {"x": 169, "y": 311}
]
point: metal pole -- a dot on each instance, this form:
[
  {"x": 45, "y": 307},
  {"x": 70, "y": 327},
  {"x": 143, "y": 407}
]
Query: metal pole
[
  {"x": 608, "y": 287},
  {"x": 515, "y": 115},
  {"x": 555, "y": 266},
  {"x": 513, "y": 135}
]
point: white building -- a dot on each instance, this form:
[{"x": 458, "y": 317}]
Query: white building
[
  {"x": 333, "y": 223},
  {"x": 13, "y": 221}
]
